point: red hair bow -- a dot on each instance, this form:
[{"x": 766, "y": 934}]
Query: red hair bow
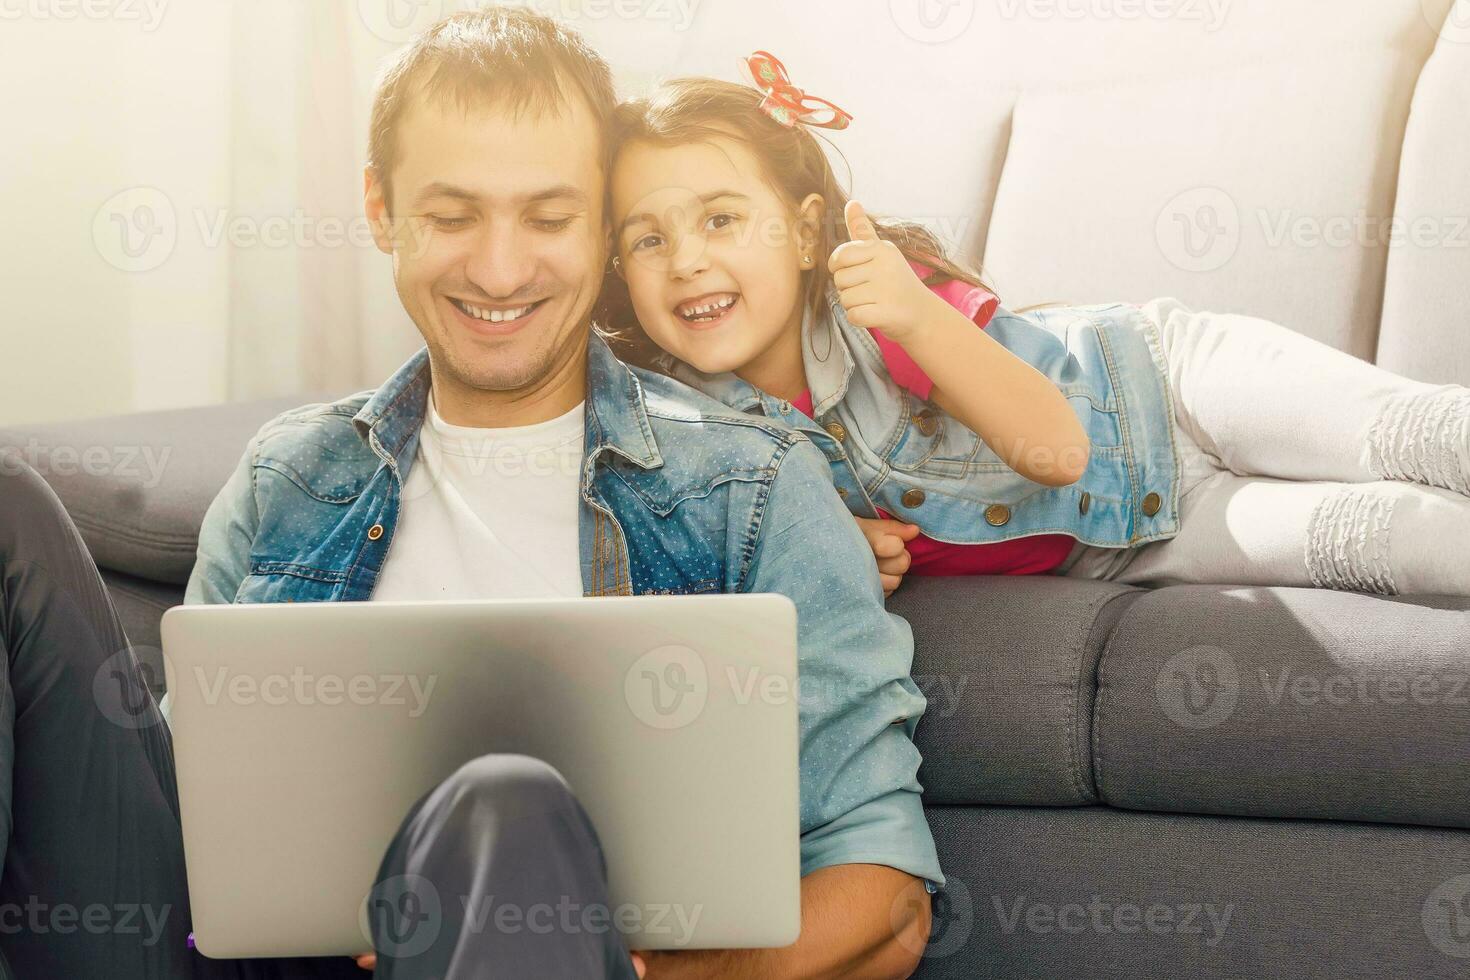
[{"x": 786, "y": 103}]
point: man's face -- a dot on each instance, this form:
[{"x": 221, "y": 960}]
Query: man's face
[{"x": 498, "y": 238}]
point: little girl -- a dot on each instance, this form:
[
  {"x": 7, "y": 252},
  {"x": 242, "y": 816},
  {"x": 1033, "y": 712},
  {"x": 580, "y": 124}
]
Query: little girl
[{"x": 1143, "y": 445}]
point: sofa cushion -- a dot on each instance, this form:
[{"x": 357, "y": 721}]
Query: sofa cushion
[
  {"x": 1236, "y": 190},
  {"x": 1426, "y": 301},
  {"x": 1094, "y": 893},
  {"x": 1008, "y": 665},
  {"x": 1281, "y": 702},
  {"x": 137, "y": 486}
]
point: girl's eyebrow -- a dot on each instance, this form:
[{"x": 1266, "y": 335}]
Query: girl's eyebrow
[{"x": 703, "y": 199}]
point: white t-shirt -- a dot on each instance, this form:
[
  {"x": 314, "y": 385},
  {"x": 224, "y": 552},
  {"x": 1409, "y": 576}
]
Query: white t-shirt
[{"x": 488, "y": 513}]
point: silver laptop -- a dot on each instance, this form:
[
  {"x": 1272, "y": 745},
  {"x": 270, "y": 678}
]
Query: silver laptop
[{"x": 303, "y": 733}]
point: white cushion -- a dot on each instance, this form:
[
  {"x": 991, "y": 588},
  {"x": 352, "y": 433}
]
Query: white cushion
[
  {"x": 1426, "y": 303},
  {"x": 1234, "y": 190}
]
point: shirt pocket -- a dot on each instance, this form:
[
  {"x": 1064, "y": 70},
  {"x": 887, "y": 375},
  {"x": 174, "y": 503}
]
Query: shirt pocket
[{"x": 284, "y": 581}]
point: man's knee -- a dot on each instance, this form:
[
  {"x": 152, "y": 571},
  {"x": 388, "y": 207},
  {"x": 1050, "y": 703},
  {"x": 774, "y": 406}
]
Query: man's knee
[
  {"x": 27, "y": 502},
  {"x": 507, "y": 785}
]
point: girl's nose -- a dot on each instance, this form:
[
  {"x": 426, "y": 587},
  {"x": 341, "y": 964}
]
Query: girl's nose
[{"x": 689, "y": 258}]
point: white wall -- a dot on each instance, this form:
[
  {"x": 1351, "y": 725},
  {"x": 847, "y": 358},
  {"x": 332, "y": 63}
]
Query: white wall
[
  {"x": 254, "y": 111},
  {"x": 94, "y": 108}
]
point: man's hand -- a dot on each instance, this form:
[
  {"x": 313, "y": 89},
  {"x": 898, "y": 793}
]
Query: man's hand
[
  {"x": 889, "y": 539},
  {"x": 875, "y": 283},
  {"x": 369, "y": 961}
]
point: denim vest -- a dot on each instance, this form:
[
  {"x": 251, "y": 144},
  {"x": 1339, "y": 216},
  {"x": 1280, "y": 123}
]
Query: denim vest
[
  {"x": 678, "y": 495},
  {"x": 888, "y": 448}
]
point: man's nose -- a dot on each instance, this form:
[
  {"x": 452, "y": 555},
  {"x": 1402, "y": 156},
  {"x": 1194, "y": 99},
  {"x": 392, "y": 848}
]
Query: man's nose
[{"x": 502, "y": 260}]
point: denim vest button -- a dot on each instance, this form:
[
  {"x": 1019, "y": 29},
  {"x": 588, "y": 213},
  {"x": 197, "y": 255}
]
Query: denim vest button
[
  {"x": 913, "y": 498},
  {"x": 842, "y": 492},
  {"x": 997, "y": 514},
  {"x": 927, "y": 422},
  {"x": 375, "y": 532},
  {"x": 1085, "y": 503},
  {"x": 1151, "y": 504},
  {"x": 837, "y": 431}
]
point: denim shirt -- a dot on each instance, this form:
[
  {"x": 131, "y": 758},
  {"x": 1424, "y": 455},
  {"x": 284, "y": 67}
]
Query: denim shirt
[
  {"x": 888, "y": 448},
  {"x": 679, "y": 495}
]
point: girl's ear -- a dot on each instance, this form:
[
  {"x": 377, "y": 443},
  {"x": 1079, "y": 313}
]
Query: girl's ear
[{"x": 809, "y": 229}]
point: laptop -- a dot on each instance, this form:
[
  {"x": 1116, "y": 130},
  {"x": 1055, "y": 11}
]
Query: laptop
[{"x": 303, "y": 733}]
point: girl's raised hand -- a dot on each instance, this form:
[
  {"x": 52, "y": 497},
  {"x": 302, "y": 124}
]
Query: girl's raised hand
[
  {"x": 889, "y": 540},
  {"x": 875, "y": 283}
]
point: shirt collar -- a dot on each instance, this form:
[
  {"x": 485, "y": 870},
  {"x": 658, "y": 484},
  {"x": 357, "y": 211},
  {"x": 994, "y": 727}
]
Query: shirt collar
[
  {"x": 616, "y": 415},
  {"x": 826, "y": 359}
]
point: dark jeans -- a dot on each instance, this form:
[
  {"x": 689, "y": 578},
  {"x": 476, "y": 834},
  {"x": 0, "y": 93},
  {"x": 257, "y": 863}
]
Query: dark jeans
[{"x": 93, "y": 883}]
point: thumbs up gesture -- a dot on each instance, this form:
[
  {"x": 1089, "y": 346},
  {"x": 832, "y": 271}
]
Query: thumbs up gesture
[{"x": 877, "y": 287}]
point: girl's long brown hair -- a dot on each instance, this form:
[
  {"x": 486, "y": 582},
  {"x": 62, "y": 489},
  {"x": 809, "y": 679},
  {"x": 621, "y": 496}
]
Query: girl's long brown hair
[{"x": 689, "y": 110}]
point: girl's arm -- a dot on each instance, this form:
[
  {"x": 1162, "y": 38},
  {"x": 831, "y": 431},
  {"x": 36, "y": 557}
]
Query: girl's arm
[{"x": 1014, "y": 408}]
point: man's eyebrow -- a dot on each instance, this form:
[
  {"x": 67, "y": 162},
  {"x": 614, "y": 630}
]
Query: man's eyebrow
[
  {"x": 553, "y": 193},
  {"x": 703, "y": 198}
]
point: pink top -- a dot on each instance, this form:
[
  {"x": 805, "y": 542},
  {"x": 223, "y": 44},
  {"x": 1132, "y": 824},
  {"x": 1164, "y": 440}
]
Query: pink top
[{"x": 1033, "y": 555}]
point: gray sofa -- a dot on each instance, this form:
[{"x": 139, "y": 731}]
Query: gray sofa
[{"x": 1123, "y": 782}]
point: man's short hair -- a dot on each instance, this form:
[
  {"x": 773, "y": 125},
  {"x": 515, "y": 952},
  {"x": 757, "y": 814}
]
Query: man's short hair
[{"x": 509, "y": 57}]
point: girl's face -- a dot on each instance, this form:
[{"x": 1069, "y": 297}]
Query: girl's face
[{"x": 713, "y": 256}]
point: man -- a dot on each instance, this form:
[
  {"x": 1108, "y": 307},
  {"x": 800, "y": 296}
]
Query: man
[{"x": 488, "y": 158}]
